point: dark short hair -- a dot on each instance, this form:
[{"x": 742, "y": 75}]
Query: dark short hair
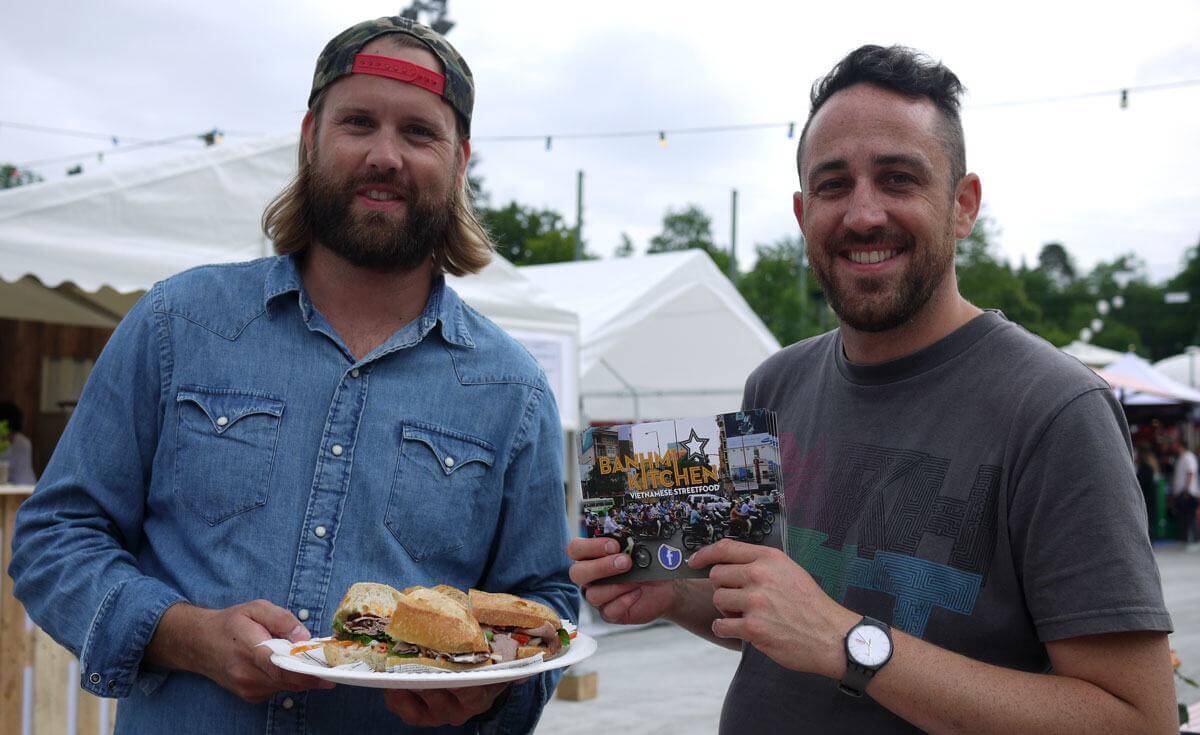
[
  {"x": 10, "y": 413},
  {"x": 907, "y": 72}
]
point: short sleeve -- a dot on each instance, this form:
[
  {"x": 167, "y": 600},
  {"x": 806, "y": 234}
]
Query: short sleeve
[{"x": 1077, "y": 524}]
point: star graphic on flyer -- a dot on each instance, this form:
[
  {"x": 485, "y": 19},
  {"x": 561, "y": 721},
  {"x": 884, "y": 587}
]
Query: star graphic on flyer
[{"x": 693, "y": 438}]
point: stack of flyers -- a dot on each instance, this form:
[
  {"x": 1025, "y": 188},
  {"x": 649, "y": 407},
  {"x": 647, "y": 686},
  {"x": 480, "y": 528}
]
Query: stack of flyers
[{"x": 663, "y": 489}]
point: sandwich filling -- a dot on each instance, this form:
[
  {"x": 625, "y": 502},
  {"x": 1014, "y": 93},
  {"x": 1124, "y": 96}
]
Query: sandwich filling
[{"x": 505, "y": 639}]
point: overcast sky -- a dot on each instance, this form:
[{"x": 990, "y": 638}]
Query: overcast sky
[{"x": 1100, "y": 179}]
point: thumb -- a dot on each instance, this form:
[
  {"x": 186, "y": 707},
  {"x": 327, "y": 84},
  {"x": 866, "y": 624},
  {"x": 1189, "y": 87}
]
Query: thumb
[{"x": 280, "y": 623}]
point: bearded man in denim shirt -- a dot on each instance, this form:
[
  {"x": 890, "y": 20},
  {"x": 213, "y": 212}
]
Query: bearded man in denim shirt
[{"x": 257, "y": 437}]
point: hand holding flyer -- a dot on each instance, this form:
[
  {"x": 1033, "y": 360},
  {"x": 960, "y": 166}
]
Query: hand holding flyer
[{"x": 663, "y": 489}]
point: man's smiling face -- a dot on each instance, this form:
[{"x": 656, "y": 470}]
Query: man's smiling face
[
  {"x": 385, "y": 163},
  {"x": 878, "y": 207}
]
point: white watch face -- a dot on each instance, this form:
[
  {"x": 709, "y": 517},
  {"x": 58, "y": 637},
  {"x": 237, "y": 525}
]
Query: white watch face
[{"x": 868, "y": 645}]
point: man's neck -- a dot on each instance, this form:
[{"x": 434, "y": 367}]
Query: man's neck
[
  {"x": 364, "y": 306},
  {"x": 945, "y": 312}
]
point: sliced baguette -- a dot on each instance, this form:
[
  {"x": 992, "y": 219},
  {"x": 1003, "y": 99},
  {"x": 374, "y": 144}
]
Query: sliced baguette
[
  {"x": 367, "y": 598},
  {"x": 527, "y": 651},
  {"x": 339, "y": 655},
  {"x": 499, "y": 608},
  {"x": 434, "y": 662},
  {"x": 430, "y": 619}
]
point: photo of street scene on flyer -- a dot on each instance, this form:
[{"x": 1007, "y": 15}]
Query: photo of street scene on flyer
[{"x": 663, "y": 489}]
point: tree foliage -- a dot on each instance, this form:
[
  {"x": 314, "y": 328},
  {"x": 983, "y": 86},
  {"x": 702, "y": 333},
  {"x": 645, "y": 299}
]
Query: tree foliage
[
  {"x": 528, "y": 236},
  {"x": 11, "y": 176},
  {"x": 686, "y": 229}
]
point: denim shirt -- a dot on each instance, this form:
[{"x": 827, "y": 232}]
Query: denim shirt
[{"x": 228, "y": 447}]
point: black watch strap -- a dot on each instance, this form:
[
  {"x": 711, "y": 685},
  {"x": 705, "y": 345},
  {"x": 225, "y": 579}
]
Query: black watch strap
[{"x": 854, "y": 681}]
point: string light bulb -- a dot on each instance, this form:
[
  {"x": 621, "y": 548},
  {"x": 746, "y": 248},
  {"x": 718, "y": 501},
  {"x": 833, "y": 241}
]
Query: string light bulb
[
  {"x": 549, "y": 142},
  {"x": 662, "y": 139},
  {"x": 791, "y": 130}
]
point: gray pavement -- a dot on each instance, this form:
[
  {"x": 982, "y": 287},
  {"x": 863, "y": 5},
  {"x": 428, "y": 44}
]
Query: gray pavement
[{"x": 660, "y": 680}]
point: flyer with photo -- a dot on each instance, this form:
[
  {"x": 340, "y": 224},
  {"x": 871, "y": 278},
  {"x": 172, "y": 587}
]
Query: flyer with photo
[{"x": 663, "y": 489}]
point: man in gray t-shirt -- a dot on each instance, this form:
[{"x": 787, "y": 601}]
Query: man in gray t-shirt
[{"x": 966, "y": 546}]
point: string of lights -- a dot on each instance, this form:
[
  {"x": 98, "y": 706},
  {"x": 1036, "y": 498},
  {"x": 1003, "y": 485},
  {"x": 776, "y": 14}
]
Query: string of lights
[
  {"x": 210, "y": 137},
  {"x": 122, "y": 143}
]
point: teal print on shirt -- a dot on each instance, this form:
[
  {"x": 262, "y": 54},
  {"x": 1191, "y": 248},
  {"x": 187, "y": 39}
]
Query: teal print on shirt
[
  {"x": 918, "y": 585},
  {"x": 889, "y": 500}
]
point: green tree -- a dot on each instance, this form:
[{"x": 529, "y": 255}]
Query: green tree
[
  {"x": 686, "y": 229},
  {"x": 780, "y": 291},
  {"x": 528, "y": 236},
  {"x": 11, "y": 176},
  {"x": 1180, "y": 321},
  {"x": 988, "y": 282},
  {"x": 1056, "y": 262},
  {"x": 625, "y": 249}
]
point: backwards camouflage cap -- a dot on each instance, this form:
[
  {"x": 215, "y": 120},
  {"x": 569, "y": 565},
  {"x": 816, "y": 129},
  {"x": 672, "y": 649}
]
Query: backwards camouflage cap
[{"x": 338, "y": 60}]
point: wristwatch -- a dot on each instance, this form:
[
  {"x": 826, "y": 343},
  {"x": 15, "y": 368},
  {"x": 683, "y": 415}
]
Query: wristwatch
[{"x": 868, "y": 649}]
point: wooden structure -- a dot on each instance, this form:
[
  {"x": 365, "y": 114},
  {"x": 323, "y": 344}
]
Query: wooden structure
[
  {"x": 21, "y": 376},
  {"x": 39, "y": 680}
]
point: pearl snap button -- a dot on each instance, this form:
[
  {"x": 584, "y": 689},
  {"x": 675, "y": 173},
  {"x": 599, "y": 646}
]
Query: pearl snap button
[
  {"x": 449, "y": 461},
  {"x": 354, "y": 373},
  {"x": 222, "y": 421},
  {"x": 337, "y": 450},
  {"x": 320, "y": 531},
  {"x": 303, "y": 614},
  {"x": 288, "y": 703}
]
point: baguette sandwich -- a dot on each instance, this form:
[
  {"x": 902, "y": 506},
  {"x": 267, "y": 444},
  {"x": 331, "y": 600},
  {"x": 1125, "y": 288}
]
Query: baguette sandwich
[
  {"x": 433, "y": 629},
  {"x": 518, "y": 628},
  {"x": 359, "y": 626}
]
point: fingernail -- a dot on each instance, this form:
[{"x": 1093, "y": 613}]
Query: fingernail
[
  {"x": 611, "y": 547},
  {"x": 621, "y": 562},
  {"x": 299, "y": 633}
]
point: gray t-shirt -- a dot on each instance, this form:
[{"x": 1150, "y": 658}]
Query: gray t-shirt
[{"x": 979, "y": 494}]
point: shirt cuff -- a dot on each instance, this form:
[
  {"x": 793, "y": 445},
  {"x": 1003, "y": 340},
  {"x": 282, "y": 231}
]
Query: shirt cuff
[{"x": 109, "y": 664}]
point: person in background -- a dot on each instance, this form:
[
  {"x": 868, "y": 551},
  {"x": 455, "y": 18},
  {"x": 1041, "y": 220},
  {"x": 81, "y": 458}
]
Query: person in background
[
  {"x": 20, "y": 455},
  {"x": 1148, "y": 475},
  {"x": 1185, "y": 491}
]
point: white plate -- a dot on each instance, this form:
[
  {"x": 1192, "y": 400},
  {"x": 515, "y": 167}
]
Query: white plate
[{"x": 581, "y": 647}]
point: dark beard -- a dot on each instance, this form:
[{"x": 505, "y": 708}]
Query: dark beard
[
  {"x": 375, "y": 241},
  {"x": 923, "y": 276}
]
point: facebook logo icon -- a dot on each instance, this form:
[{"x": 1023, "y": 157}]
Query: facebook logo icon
[{"x": 669, "y": 556}]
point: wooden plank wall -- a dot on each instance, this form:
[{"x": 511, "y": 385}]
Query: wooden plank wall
[
  {"x": 23, "y": 345},
  {"x": 54, "y": 700}
]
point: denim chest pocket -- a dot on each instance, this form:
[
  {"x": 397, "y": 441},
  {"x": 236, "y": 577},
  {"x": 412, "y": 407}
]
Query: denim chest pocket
[
  {"x": 225, "y": 450},
  {"x": 436, "y": 489}
]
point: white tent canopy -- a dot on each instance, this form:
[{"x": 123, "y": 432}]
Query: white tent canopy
[
  {"x": 1141, "y": 384},
  {"x": 662, "y": 335},
  {"x": 100, "y": 238},
  {"x": 1184, "y": 368}
]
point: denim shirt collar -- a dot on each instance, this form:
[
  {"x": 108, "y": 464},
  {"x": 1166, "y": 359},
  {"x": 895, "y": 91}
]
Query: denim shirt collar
[{"x": 443, "y": 307}]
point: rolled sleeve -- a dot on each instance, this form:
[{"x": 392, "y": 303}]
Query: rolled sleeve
[
  {"x": 73, "y": 564},
  {"x": 109, "y": 664},
  {"x": 529, "y": 558}
]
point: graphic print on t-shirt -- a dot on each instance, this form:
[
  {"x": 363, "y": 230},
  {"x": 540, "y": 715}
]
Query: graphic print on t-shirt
[{"x": 891, "y": 501}]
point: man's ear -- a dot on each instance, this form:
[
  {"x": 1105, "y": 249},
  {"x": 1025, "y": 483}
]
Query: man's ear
[
  {"x": 798, "y": 207},
  {"x": 308, "y": 129},
  {"x": 968, "y": 197}
]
